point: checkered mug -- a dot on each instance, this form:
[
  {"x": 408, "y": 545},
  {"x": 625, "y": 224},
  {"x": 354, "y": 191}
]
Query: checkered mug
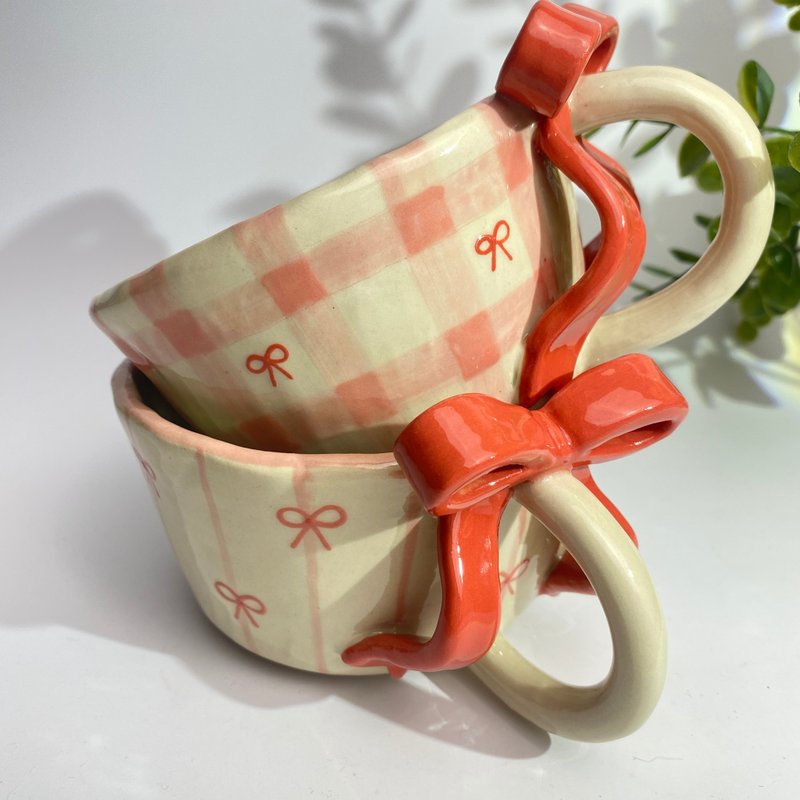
[{"x": 328, "y": 323}]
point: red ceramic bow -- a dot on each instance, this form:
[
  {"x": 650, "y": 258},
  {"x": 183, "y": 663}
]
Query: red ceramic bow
[{"x": 464, "y": 456}]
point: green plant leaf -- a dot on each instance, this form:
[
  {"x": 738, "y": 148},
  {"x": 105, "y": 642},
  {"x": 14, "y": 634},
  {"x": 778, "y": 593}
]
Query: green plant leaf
[
  {"x": 752, "y": 306},
  {"x": 794, "y": 21},
  {"x": 644, "y": 291},
  {"x": 746, "y": 331},
  {"x": 792, "y": 205},
  {"x": 794, "y": 152},
  {"x": 692, "y": 155},
  {"x": 783, "y": 261},
  {"x": 787, "y": 180},
  {"x": 631, "y": 127},
  {"x": 651, "y": 143},
  {"x": 702, "y": 220},
  {"x": 684, "y": 256},
  {"x": 778, "y": 149},
  {"x": 709, "y": 178},
  {"x": 778, "y": 296},
  {"x": 789, "y": 3},
  {"x": 712, "y": 229},
  {"x": 661, "y": 272},
  {"x": 756, "y": 89},
  {"x": 782, "y": 220}
]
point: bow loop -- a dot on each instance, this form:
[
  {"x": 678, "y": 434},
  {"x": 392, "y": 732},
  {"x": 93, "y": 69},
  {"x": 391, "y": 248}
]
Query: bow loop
[
  {"x": 616, "y": 408},
  {"x": 470, "y": 447}
]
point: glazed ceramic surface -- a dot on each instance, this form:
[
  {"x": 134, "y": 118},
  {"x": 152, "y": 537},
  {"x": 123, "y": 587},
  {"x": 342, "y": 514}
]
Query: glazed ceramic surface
[
  {"x": 297, "y": 557},
  {"x": 446, "y": 268},
  {"x": 328, "y": 323}
]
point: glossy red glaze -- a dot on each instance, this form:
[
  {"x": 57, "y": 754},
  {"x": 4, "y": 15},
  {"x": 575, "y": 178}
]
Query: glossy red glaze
[
  {"x": 464, "y": 456},
  {"x": 612, "y": 258},
  {"x": 552, "y": 348},
  {"x": 470, "y": 613},
  {"x": 554, "y": 48}
]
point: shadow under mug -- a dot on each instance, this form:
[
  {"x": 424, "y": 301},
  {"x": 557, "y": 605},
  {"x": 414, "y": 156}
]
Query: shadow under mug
[
  {"x": 296, "y": 557},
  {"x": 328, "y": 323}
]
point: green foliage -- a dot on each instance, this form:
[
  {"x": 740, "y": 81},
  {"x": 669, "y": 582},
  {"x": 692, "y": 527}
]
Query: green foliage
[
  {"x": 773, "y": 288},
  {"x": 692, "y": 155},
  {"x": 756, "y": 90}
]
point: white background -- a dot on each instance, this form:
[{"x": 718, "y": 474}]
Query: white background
[{"x": 131, "y": 130}]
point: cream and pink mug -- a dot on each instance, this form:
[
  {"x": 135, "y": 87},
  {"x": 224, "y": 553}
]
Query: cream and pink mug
[{"x": 427, "y": 295}]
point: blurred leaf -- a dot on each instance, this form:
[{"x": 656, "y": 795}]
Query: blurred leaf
[
  {"x": 781, "y": 220},
  {"x": 713, "y": 228},
  {"x": 692, "y": 155},
  {"x": 789, "y": 3},
  {"x": 794, "y": 152},
  {"x": 752, "y": 306},
  {"x": 702, "y": 220},
  {"x": 783, "y": 261},
  {"x": 651, "y": 143},
  {"x": 756, "y": 90},
  {"x": 778, "y": 149},
  {"x": 794, "y": 21},
  {"x": 709, "y": 178},
  {"x": 778, "y": 296},
  {"x": 644, "y": 291},
  {"x": 684, "y": 256},
  {"x": 792, "y": 205},
  {"x": 746, "y": 331},
  {"x": 400, "y": 18},
  {"x": 661, "y": 272},
  {"x": 787, "y": 180},
  {"x": 629, "y": 130}
]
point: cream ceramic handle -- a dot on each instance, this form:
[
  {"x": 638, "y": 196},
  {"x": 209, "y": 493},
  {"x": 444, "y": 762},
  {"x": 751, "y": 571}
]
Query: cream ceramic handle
[
  {"x": 673, "y": 95},
  {"x": 624, "y": 700}
]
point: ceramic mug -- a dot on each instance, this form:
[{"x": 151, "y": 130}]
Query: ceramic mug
[
  {"x": 296, "y": 557},
  {"x": 237, "y": 516},
  {"x": 328, "y": 323}
]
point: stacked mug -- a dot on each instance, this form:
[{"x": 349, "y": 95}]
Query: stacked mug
[{"x": 290, "y": 382}]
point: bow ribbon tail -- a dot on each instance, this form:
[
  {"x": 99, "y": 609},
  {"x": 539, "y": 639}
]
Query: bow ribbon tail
[
  {"x": 470, "y": 613},
  {"x": 552, "y": 348},
  {"x": 567, "y": 576}
]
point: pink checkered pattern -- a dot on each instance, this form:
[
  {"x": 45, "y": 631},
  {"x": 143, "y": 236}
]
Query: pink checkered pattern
[{"x": 373, "y": 287}]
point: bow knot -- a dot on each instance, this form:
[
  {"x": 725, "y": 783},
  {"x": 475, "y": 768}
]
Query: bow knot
[{"x": 472, "y": 446}]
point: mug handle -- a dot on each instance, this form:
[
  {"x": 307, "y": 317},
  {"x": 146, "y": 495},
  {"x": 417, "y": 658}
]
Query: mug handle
[
  {"x": 673, "y": 95},
  {"x": 622, "y": 702}
]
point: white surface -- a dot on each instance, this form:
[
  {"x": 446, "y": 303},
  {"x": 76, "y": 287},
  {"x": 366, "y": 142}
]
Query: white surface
[{"x": 132, "y": 130}]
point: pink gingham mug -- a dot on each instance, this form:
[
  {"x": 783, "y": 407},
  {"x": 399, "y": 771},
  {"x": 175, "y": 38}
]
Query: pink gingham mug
[{"x": 328, "y": 323}]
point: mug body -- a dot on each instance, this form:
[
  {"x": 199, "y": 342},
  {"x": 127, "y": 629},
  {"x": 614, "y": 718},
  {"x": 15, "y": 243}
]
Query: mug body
[
  {"x": 296, "y": 557},
  {"x": 328, "y": 323}
]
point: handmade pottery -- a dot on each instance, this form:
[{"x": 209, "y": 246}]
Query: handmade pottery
[
  {"x": 328, "y": 323},
  {"x": 434, "y": 301},
  {"x": 297, "y": 557}
]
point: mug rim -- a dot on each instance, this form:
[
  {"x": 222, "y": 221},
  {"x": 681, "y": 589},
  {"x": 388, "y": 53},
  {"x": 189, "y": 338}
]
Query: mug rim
[
  {"x": 130, "y": 404},
  {"x": 516, "y": 118}
]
